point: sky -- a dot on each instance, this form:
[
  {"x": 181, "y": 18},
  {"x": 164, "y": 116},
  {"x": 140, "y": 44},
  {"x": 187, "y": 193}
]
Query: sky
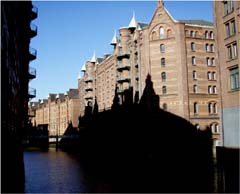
[{"x": 70, "y": 31}]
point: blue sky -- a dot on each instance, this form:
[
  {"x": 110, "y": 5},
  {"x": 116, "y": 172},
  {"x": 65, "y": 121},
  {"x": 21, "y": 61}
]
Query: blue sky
[{"x": 70, "y": 31}]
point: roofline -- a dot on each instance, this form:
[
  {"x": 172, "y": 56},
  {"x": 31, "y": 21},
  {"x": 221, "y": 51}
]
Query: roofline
[{"x": 197, "y": 25}]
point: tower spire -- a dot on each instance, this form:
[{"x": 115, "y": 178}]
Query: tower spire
[
  {"x": 160, "y": 3},
  {"x": 114, "y": 39},
  {"x": 94, "y": 58},
  {"x": 133, "y": 22}
]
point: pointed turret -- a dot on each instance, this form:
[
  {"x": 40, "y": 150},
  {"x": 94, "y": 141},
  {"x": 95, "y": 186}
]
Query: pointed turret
[
  {"x": 114, "y": 39},
  {"x": 83, "y": 67},
  {"x": 79, "y": 75},
  {"x": 133, "y": 22},
  {"x": 94, "y": 58}
]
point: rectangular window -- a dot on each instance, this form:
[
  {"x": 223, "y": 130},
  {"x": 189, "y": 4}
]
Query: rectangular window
[
  {"x": 225, "y": 7},
  {"x": 233, "y": 27},
  {"x": 231, "y": 5},
  {"x": 229, "y": 50},
  {"x": 227, "y": 29},
  {"x": 235, "y": 50},
  {"x": 234, "y": 78}
]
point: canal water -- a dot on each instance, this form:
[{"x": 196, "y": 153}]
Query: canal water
[{"x": 53, "y": 172}]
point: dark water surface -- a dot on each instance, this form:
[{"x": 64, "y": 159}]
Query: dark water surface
[{"x": 52, "y": 172}]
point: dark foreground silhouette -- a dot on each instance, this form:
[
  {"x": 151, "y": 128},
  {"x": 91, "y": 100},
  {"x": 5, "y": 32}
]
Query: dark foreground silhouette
[{"x": 137, "y": 147}]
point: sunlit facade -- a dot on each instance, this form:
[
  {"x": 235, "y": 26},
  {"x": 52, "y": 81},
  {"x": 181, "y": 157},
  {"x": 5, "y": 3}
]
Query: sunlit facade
[{"x": 181, "y": 59}]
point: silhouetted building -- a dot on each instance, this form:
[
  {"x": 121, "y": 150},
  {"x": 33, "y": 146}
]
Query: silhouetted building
[
  {"x": 16, "y": 32},
  {"x": 57, "y": 111},
  {"x": 180, "y": 57}
]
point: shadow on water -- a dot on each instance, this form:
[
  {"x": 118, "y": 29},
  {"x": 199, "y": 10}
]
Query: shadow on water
[{"x": 138, "y": 147}]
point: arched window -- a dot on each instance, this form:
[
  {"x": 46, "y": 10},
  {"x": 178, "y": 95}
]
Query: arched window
[
  {"x": 207, "y": 48},
  {"x": 193, "y": 46},
  {"x": 154, "y": 35},
  {"x": 194, "y": 75},
  {"x": 208, "y": 61},
  {"x": 162, "y": 48},
  {"x": 195, "y": 108},
  {"x": 214, "y": 89},
  {"x": 169, "y": 33},
  {"x": 213, "y": 62},
  {"x": 214, "y": 76},
  {"x": 164, "y": 90},
  {"x": 211, "y": 34},
  {"x": 165, "y": 106},
  {"x": 163, "y": 62},
  {"x": 215, "y": 108},
  {"x": 212, "y": 48},
  {"x": 192, "y": 34},
  {"x": 163, "y": 75},
  {"x": 196, "y": 33},
  {"x": 206, "y": 34},
  {"x": 210, "y": 89},
  {"x": 195, "y": 89},
  {"x": 216, "y": 128},
  {"x": 161, "y": 30},
  {"x": 209, "y": 75},
  {"x": 210, "y": 108},
  {"x": 193, "y": 60}
]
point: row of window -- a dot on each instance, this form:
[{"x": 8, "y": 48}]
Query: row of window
[
  {"x": 211, "y": 89},
  {"x": 209, "y": 61},
  {"x": 212, "y": 108},
  {"x": 213, "y": 126},
  {"x": 208, "y": 48},
  {"x": 211, "y": 75},
  {"x": 192, "y": 34}
]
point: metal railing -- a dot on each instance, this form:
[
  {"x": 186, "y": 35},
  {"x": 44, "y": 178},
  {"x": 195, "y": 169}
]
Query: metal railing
[
  {"x": 88, "y": 79},
  {"x": 33, "y": 53},
  {"x": 88, "y": 96},
  {"x": 123, "y": 78},
  {"x": 33, "y": 28},
  {"x": 31, "y": 92},
  {"x": 88, "y": 88},
  {"x": 34, "y": 13},
  {"x": 32, "y": 71},
  {"x": 121, "y": 65}
]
